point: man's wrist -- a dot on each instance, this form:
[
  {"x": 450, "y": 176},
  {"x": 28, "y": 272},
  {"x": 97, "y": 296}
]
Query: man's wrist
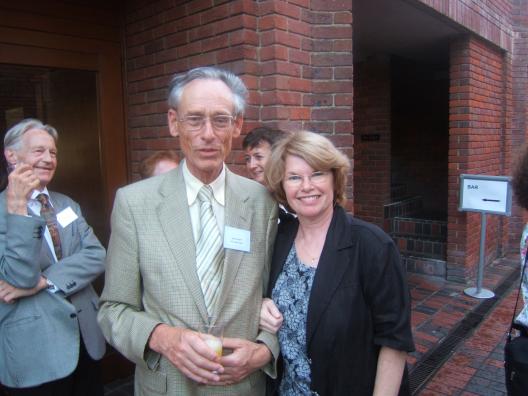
[
  {"x": 155, "y": 341},
  {"x": 42, "y": 283},
  {"x": 45, "y": 283},
  {"x": 262, "y": 355},
  {"x": 17, "y": 206}
]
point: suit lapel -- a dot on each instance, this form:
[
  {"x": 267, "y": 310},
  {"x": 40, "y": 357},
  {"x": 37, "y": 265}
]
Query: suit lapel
[
  {"x": 238, "y": 214},
  {"x": 332, "y": 266},
  {"x": 174, "y": 217},
  {"x": 283, "y": 243}
]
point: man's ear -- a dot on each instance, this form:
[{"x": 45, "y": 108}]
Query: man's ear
[
  {"x": 11, "y": 156},
  {"x": 239, "y": 121},
  {"x": 172, "y": 120}
]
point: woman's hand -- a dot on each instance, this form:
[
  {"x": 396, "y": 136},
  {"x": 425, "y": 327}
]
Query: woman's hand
[{"x": 270, "y": 316}]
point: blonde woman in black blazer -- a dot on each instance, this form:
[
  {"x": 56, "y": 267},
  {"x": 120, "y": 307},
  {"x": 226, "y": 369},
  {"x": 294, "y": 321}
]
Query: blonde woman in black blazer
[{"x": 337, "y": 281}]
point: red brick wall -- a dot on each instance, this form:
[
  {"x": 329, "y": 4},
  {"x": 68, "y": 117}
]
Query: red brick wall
[
  {"x": 372, "y": 158},
  {"x": 295, "y": 57},
  {"x": 476, "y": 146},
  {"x": 162, "y": 39},
  {"x": 489, "y": 19},
  {"x": 331, "y": 73}
]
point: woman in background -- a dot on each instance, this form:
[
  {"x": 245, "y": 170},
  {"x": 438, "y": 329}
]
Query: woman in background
[
  {"x": 158, "y": 163},
  {"x": 336, "y": 280}
]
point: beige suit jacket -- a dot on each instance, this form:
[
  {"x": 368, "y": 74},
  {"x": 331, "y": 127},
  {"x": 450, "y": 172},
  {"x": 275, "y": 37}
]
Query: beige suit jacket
[{"x": 151, "y": 277}]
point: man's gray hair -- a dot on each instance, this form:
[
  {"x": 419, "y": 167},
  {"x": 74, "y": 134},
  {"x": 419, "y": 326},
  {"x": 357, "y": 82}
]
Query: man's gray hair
[
  {"x": 233, "y": 82},
  {"x": 13, "y": 137}
]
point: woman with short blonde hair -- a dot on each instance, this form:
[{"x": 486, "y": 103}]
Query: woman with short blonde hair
[
  {"x": 318, "y": 152},
  {"x": 338, "y": 289}
]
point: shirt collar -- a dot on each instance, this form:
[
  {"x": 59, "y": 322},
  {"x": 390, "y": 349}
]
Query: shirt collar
[
  {"x": 37, "y": 192},
  {"x": 193, "y": 185}
]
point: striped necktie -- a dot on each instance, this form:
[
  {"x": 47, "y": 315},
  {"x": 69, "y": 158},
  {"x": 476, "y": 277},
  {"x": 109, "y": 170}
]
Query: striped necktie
[
  {"x": 48, "y": 214},
  {"x": 209, "y": 250}
]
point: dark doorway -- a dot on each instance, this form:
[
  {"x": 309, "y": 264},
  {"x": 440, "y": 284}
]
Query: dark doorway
[
  {"x": 420, "y": 135},
  {"x": 419, "y": 162},
  {"x": 67, "y": 100}
]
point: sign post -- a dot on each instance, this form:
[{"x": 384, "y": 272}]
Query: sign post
[{"x": 484, "y": 194}]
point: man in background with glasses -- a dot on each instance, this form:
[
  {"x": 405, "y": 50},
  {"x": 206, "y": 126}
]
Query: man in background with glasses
[{"x": 192, "y": 248}]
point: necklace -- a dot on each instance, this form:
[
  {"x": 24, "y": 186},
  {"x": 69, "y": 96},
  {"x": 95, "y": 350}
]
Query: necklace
[{"x": 302, "y": 248}]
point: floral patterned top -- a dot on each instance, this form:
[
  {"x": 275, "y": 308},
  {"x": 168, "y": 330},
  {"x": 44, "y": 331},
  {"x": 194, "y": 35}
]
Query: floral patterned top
[
  {"x": 522, "y": 318},
  {"x": 291, "y": 294}
]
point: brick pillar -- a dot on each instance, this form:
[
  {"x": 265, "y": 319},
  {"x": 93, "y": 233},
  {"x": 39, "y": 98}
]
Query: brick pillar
[
  {"x": 161, "y": 39},
  {"x": 331, "y": 72},
  {"x": 281, "y": 78},
  {"x": 306, "y": 69},
  {"x": 294, "y": 56},
  {"x": 476, "y": 146},
  {"x": 372, "y": 130}
]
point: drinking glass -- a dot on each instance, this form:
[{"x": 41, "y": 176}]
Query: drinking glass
[{"x": 213, "y": 335}]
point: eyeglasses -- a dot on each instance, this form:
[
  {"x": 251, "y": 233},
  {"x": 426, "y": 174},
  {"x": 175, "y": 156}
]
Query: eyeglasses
[
  {"x": 318, "y": 177},
  {"x": 220, "y": 123}
]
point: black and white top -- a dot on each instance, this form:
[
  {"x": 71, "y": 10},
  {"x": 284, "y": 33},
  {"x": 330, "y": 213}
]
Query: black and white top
[{"x": 291, "y": 295}]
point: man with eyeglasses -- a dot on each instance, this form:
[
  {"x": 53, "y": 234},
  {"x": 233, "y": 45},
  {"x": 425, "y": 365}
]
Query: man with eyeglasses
[{"x": 192, "y": 248}]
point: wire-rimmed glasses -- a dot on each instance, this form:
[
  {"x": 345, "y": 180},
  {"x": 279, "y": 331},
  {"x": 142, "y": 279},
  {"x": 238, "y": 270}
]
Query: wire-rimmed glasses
[
  {"x": 316, "y": 177},
  {"x": 219, "y": 122}
]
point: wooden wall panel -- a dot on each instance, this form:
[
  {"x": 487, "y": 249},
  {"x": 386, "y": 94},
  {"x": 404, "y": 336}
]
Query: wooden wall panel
[{"x": 82, "y": 35}]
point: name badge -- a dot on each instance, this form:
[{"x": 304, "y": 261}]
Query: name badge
[
  {"x": 66, "y": 217},
  {"x": 237, "y": 239}
]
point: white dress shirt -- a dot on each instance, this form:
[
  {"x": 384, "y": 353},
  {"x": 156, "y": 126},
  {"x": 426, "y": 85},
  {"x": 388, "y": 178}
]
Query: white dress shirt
[{"x": 193, "y": 186}]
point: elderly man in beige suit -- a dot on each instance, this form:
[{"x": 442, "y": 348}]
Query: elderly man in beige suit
[{"x": 164, "y": 281}]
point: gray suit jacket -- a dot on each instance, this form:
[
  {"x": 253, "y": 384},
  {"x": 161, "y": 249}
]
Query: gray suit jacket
[
  {"x": 39, "y": 335},
  {"x": 151, "y": 277}
]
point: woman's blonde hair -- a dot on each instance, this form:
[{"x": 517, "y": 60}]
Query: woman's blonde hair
[{"x": 318, "y": 152}]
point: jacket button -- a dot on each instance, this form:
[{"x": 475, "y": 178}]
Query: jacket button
[
  {"x": 37, "y": 234},
  {"x": 72, "y": 315}
]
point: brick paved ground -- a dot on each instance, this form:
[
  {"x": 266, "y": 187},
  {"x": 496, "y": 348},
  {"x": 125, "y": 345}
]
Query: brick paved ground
[{"x": 475, "y": 366}]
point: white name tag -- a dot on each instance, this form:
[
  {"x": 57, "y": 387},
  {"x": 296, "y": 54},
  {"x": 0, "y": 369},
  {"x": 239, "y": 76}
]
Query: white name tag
[
  {"x": 237, "y": 239},
  {"x": 66, "y": 216}
]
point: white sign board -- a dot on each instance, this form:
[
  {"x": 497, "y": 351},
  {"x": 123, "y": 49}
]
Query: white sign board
[{"x": 481, "y": 193}]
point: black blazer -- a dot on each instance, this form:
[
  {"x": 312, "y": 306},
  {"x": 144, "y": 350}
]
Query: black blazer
[{"x": 359, "y": 302}]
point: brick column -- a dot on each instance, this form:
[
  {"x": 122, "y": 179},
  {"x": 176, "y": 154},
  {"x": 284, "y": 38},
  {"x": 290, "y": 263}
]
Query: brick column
[
  {"x": 162, "y": 39},
  {"x": 476, "y": 146},
  {"x": 294, "y": 56},
  {"x": 306, "y": 69},
  {"x": 331, "y": 72}
]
